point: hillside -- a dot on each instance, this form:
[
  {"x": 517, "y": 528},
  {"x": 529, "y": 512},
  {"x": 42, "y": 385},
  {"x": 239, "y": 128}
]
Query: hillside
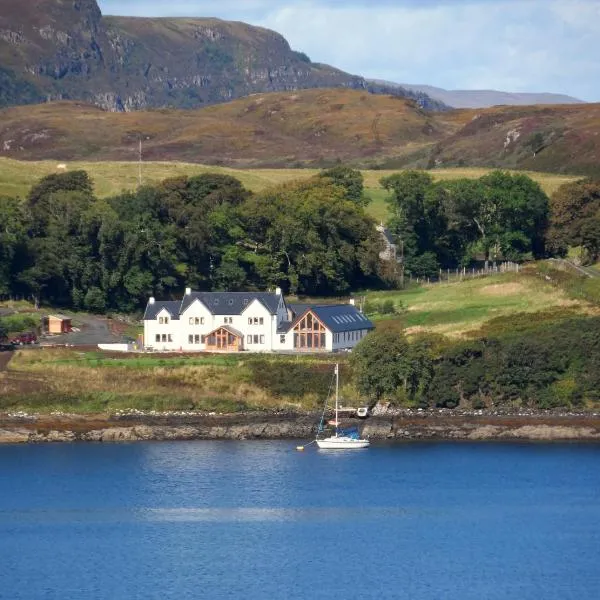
[
  {"x": 279, "y": 129},
  {"x": 560, "y": 139},
  {"x": 313, "y": 128},
  {"x": 66, "y": 50},
  {"x": 488, "y": 98}
]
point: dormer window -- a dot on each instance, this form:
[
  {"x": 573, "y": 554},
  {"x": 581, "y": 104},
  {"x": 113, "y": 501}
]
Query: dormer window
[
  {"x": 245, "y": 301},
  {"x": 216, "y": 302},
  {"x": 230, "y": 302}
]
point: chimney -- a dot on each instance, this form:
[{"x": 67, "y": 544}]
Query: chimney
[
  {"x": 352, "y": 302},
  {"x": 278, "y": 291},
  {"x": 188, "y": 291},
  {"x": 152, "y": 300}
]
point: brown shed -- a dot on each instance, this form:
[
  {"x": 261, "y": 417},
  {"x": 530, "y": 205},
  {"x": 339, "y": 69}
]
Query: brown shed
[{"x": 57, "y": 324}]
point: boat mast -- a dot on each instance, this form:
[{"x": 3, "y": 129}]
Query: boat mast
[{"x": 337, "y": 385}]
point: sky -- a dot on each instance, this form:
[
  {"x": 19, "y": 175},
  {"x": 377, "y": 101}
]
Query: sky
[{"x": 508, "y": 45}]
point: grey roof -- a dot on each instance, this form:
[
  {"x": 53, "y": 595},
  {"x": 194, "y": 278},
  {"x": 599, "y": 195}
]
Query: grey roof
[
  {"x": 387, "y": 235},
  {"x": 342, "y": 317},
  {"x": 284, "y": 326},
  {"x": 297, "y": 308},
  {"x": 152, "y": 310},
  {"x": 231, "y": 303},
  {"x": 339, "y": 317}
]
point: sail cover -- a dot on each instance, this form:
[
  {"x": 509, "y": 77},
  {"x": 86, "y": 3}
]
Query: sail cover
[{"x": 351, "y": 433}]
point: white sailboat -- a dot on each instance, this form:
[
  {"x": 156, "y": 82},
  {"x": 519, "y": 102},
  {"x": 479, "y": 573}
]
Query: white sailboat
[{"x": 340, "y": 440}]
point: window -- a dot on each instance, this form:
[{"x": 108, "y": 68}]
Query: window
[
  {"x": 230, "y": 302},
  {"x": 170, "y": 338},
  {"x": 196, "y": 338},
  {"x": 228, "y": 320},
  {"x": 245, "y": 302},
  {"x": 261, "y": 321},
  {"x": 164, "y": 337},
  {"x": 249, "y": 320},
  {"x": 216, "y": 302},
  {"x": 256, "y": 339},
  {"x": 262, "y": 339},
  {"x": 157, "y": 338},
  {"x": 190, "y": 339},
  {"x": 256, "y": 320},
  {"x": 191, "y": 320},
  {"x": 202, "y": 339},
  {"x": 282, "y": 339},
  {"x": 161, "y": 320},
  {"x": 248, "y": 339},
  {"x": 166, "y": 320}
]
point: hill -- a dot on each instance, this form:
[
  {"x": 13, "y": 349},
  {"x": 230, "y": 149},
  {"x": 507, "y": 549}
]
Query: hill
[
  {"x": 560, "y": 139},
  {"x": 278, "y": 129},
  {"x": 313, "y": 128},
  {"x": 488, "y": 98},
  {"x": 57, "y": 50}
]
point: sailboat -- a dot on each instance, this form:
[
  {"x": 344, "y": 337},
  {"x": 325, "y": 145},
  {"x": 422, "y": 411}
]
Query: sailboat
[{"x": 340, "y": 440}]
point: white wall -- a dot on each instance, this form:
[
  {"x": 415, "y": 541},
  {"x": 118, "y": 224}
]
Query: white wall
[
  {"x": 348, "y": 340},
  {"x": 249, "y": 323},
  {"x": 204, "y": 325},
  {"x": 167, "y": 332}
]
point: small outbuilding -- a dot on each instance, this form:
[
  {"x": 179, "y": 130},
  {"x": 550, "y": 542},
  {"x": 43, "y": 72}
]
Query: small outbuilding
[{"x": 57, "y": 324}]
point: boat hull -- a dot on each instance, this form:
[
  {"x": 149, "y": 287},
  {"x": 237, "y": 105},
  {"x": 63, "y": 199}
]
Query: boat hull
[{"x": 342, "y": 444}]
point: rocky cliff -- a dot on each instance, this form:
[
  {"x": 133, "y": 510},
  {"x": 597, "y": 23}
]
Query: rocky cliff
[{"x": 66, "y": 49}]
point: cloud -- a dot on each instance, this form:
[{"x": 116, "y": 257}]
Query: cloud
[{"x": 513, "y": 45}]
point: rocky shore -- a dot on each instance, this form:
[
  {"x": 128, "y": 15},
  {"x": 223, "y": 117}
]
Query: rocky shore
[{"x": 400, "y": 426}]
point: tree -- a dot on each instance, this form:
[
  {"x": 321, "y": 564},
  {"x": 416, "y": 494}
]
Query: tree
[
  {"x": 351, "y": 180},
  {"x": 575, "y": 210},
  {"x": 379, "y": 363}
]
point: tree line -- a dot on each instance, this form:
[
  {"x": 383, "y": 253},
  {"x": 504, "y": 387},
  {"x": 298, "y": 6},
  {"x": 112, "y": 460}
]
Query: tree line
[
  {"x": 551, "y": 362},
  {"x": 67, "y": 247}
]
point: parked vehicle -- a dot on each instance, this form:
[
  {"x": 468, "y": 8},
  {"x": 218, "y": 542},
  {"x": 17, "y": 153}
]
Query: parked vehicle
[
  {"x": 6, "y": 347},
  {"x": 362, "y": 412},
  {"x": 24, "y": 338}
]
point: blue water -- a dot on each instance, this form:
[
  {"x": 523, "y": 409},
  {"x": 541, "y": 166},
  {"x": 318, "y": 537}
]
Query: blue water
[{"x": 260, "y": 520}]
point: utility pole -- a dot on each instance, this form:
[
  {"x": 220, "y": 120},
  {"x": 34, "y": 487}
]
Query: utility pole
[
  {"x": 140, "y": 163},
  {"x": 402, "y": 264}
]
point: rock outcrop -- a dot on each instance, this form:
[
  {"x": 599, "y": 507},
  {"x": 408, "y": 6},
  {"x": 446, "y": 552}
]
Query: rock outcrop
[
  {"x": 247, "y": 427},
  {"x": 67, "y": 50}
]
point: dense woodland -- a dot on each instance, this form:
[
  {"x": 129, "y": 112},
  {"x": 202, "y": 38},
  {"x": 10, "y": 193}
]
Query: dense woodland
[
  {"x": 552, "y": 361},
  {"x": 64, "y": 246}
]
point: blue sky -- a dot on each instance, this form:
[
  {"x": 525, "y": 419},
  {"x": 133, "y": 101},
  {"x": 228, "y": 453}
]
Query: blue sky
[{"x": 510, "y": 45}]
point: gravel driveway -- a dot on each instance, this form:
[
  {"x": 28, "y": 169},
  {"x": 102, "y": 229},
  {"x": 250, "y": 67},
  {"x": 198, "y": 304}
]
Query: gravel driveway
[{"x": 92, "y": 331}]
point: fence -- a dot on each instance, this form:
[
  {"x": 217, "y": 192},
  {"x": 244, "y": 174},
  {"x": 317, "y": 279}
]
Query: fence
[{"x": 461, "y": 274}]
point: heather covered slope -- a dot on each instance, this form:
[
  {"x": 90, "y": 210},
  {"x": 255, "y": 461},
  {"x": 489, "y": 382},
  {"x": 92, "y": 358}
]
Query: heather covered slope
[
  {"x": 66, "y": 49},
  {"x": 560, "y": 139},
  {"x": 314, "y": 128},
  {"x": 279, "y": 129}
]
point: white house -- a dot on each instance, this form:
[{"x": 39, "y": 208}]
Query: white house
[{"x": 250, "y": 321}]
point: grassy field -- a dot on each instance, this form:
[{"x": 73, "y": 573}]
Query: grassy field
[
  {"x": 75, "y": 380},
  {"x": 461, "y": 308},
  {"x": 17, "y": 177}
]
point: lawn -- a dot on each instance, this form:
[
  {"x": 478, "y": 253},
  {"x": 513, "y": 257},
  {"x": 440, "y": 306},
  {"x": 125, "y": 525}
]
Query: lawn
[
  {"x": 455, "y": 309},
  {"x": 17, "y": 177}
]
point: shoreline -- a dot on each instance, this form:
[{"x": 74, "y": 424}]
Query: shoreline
[{"x": 401, "y": 426}]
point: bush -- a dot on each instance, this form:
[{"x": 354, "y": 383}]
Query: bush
[
  {"x": 291, "y": 379},
  {"x": 20, "y": 322}
]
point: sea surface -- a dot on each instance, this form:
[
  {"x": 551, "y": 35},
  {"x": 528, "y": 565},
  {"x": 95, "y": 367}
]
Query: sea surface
[{"x": 250, "y": 520}]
